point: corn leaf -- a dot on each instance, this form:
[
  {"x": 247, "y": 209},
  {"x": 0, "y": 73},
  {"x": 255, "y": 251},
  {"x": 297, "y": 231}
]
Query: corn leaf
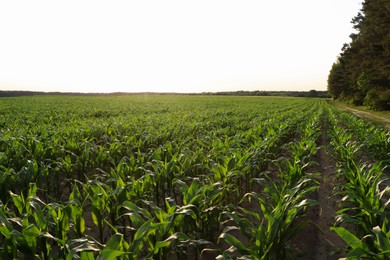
[{"x": 349, "y": 238}]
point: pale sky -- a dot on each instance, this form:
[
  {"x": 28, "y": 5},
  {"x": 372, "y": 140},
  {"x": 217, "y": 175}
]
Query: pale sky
[{"x": 171, "y": 46}]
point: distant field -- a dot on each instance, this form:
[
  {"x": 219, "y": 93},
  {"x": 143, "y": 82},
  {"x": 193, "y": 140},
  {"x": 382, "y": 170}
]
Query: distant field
[{"x": 189, "y": 177}]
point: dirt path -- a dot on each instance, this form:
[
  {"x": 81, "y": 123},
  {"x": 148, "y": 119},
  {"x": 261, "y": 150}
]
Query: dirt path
[
  {"x": 368, "y": 115},
  {"x": 316, "y": 241},
  {"x": 328, "y": 243}
]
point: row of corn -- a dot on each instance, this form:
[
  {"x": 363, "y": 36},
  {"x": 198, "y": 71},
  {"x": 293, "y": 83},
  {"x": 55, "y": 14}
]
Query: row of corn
[
  {"x": 158, "y": 177},
  {"x": 362, "y": 154}
]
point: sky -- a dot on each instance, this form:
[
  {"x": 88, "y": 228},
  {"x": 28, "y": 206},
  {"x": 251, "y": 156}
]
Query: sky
[{"x": 172, "y": 45}]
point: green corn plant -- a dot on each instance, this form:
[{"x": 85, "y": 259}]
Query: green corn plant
[
  {"x": 230, "y": 170},
  {"x": 60, "y": 223},
  {"x": 28, "y": 240},
  {"x": 115, "y": 248},
  {"x": 364, "y": 205},
  {"x": 363, "y": 192},
  {"x": 81, "y": 248},
  {"x": 22, "y": 203},
  {"x": 375, "y": 140},
  {"x": 28, "y": 173},
  {"x": 168, "y": 227},
  {"x": 75, "y": 209},
  {"x": 358, "y": 247},
  {"x": 163, "y": 173},
  {"x": 291, "y": 172},
  {"x": 363, "y": 201},
  {"x": 157, "y": 232},
  {"x": 207, "y": 202},
  {"x": 24, "y": 243},
  {"x": 269, "y": 230},
  {"x": 9, "y": 248},
  {"x": 143, "y": 228},
  {"x": 7, "y": 182},
  {"x": 100, "y": 205}
]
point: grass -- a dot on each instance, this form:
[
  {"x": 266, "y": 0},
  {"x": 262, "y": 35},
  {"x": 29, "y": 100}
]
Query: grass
[{"x": 380, "y": 118}]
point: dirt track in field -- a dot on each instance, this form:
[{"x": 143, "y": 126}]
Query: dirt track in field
[
  {"x": 316, "y": 241},
  {"x": 328, "y": 243},
  {"x": 385, "y": 121}
]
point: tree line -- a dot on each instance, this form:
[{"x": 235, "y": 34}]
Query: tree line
[
  {"x": 361, "y": 74},
  {"x": 311, "y": 93}
]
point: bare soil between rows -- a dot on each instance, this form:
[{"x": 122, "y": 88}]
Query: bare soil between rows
[{"x": 317, "y": 241}]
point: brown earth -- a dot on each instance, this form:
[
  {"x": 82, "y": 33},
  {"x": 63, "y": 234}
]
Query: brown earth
[
  {"x": 368, "y": 115},
  {"x": 329, "y": 244},
  {"x": 317, "y": 241}
]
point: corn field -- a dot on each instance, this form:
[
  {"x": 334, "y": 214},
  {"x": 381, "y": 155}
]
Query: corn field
[{"x": 184, "y": 177}]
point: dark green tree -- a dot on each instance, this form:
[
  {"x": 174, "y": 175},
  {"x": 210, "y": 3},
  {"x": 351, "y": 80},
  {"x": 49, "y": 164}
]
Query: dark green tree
[
  {"x": 337, "y": 80},
  {"x": 361, "y": 74},
  {"x": 312, "y": 93}
]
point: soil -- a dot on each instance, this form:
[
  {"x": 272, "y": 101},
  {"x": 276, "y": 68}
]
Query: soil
[
  {"x": 368, "y": 115},
  {"x": 317, "y": 241}
]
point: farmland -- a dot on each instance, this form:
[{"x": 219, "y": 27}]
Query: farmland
[{"x": 188, "y": 177}]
